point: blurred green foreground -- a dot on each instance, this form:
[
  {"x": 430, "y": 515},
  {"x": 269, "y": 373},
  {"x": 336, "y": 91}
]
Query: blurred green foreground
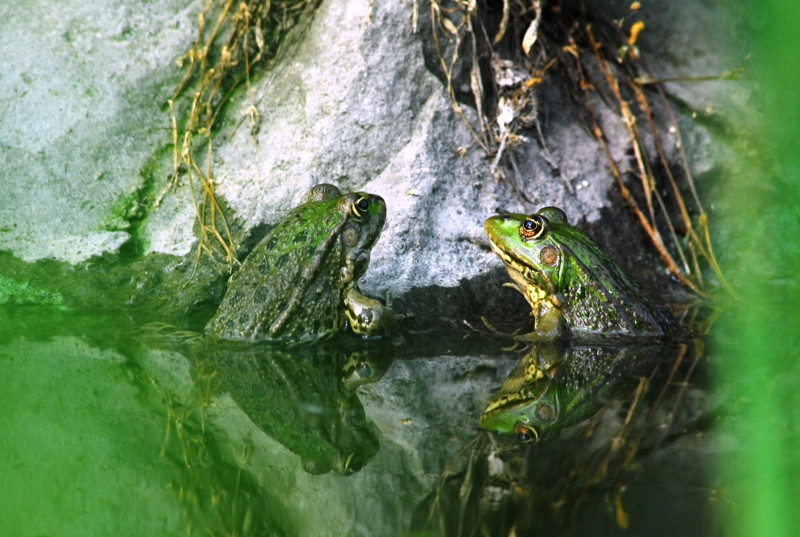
[{"x": 759, "y": 370}]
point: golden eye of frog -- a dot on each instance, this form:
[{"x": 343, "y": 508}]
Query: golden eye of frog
[
  {"x": 573, "y": 287},
  {"x": 300, "y": 281}
]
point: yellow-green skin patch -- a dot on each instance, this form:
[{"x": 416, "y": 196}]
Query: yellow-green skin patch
[
  {"x": 573, "y": 287},
  {"x": 300, "y": 282}
]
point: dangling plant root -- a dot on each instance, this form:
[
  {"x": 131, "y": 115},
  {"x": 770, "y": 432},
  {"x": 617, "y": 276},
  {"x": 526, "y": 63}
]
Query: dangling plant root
[
  {"x": 687, "y": 268},
  {"x": 550, "y": 39},
  {"x": 225, "y": 54}
]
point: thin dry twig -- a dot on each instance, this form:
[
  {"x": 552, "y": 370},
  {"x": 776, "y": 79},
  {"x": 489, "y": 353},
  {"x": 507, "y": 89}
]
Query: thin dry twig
[
  {"x": 218, "y": 62},
  {"x": 683, "y": 242},
  {"x": 646, "y": 219}
]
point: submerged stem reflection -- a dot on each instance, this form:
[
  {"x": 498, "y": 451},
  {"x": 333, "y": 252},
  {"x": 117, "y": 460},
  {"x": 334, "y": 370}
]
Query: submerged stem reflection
[{"x": 570, "y": 423}]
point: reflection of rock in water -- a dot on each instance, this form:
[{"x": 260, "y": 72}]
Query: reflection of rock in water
[
  {"x": 616, "y": 411},
  {"x": 554, "y": 387},
  {"x": 298, "y": 397}
]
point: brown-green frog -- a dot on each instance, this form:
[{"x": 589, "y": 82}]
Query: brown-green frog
[
  {"x": 300, "y": 282},
  {"x": 298, "y": 396}
]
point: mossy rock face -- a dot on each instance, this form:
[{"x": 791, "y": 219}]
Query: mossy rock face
[
  {"x": 85, "y": 115},
  {"x": 356, "y": 98}
]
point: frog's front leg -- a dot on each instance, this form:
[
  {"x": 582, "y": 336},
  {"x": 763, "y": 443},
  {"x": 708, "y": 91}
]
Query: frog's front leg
[
  {"x": 367, "y": 316},
  {"x": 549, "y": 324}
]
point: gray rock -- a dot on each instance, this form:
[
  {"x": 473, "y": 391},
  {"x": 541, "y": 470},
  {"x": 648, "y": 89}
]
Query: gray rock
[
  {"x": 85, "y": 88},
  {"x": 355, "y": 101}
]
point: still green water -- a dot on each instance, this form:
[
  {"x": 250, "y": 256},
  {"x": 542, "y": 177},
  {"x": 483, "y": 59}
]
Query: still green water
[
  {"x": 115, "y": 425},
  {"x": 80, "y": 445}
]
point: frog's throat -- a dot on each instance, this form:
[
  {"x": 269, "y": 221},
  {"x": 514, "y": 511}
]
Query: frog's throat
[
  {"x": 530, "y": 390},
  {"x": 525, "y": 281}
]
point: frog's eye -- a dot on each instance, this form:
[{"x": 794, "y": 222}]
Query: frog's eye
[
  {"x": 533, "y": 227},
  {"x": 525, "y": 434},
  {"x": 360, "y": 207}
]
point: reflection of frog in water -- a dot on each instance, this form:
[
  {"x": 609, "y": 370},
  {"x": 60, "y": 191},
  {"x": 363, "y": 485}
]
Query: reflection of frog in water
[
  {"x": 300, "y": 282},
  {"x": 304, "y": 398},
  {"x": 553, "y": 388},
  {"x": 573, "y": 287}
]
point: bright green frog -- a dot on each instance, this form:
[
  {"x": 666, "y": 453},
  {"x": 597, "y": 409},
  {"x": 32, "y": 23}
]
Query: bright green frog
[
  {"x": 300, "y": 281},
  {"x": 573, "y": 287}
]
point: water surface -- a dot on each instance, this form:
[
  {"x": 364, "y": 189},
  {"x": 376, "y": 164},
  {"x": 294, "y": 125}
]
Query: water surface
[{"x": 118, "y": 425}]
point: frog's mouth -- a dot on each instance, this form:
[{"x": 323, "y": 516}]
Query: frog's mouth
[{"x": 524, "y": 414}]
